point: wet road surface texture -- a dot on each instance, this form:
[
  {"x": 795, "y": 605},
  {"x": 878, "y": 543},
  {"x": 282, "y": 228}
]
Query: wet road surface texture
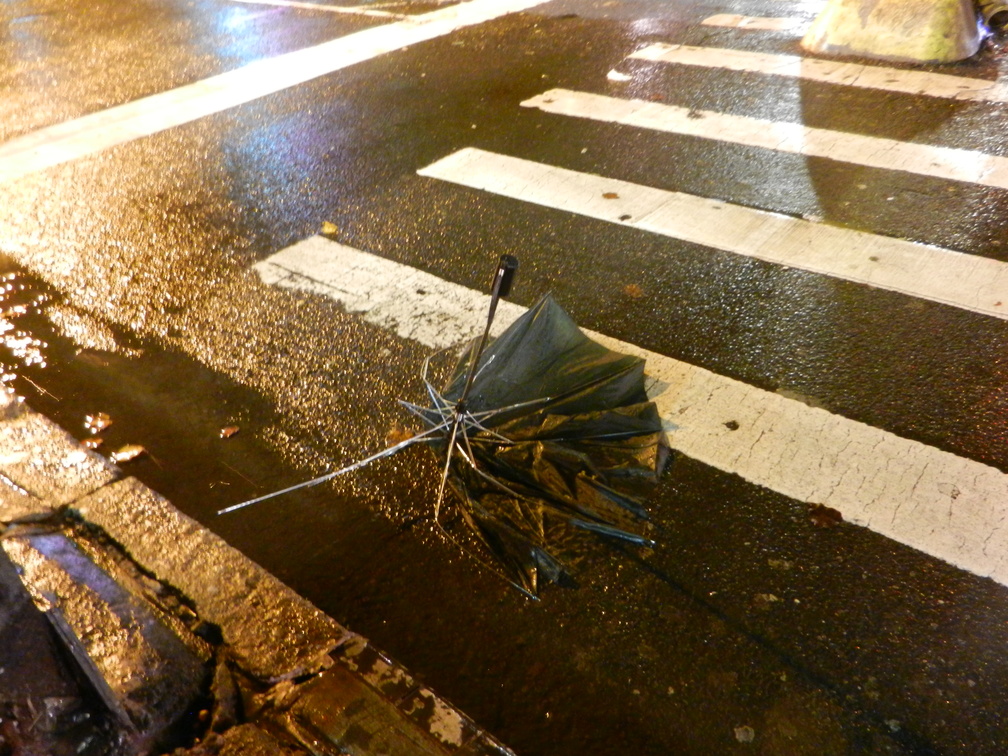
[{"x": 751, "y": 626}]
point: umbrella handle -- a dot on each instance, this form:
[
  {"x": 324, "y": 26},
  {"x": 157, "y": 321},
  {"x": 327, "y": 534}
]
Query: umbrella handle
[
  {"x": 506, "y": 269},
  {"x": 501, "y": 287}
]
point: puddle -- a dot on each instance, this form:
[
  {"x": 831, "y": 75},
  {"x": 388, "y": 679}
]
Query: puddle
[{"x": 167, "y": 419}]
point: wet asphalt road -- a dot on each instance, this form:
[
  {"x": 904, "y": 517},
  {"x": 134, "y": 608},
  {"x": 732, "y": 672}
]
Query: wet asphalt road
[{"x": 135, "y": 263}]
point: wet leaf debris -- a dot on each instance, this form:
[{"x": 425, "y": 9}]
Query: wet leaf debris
[
  {"x": 97, "y": 422},
  {"x": 824, "y": 517},
  {"x": 228, "y": 431},
  {"x": 127, "y": 453}
]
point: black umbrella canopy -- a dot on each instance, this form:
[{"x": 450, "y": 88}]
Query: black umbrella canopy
[{"x": 554, "y": 426}]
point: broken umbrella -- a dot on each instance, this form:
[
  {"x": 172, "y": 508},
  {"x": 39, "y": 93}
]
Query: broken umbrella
[{"x": 539, "y": 426}]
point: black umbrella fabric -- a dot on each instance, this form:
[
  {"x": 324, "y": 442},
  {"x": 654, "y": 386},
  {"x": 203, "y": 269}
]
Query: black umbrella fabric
[
  {"x": 540, "y": 426},
  {"x": 556, "y": 426}
]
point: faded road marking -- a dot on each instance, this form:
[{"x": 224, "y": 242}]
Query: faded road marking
[
  {"x": 352, "y": 278},
  {"x": 829, "y": 72},
  {"x": 944, "y": 505},
  {"x": 969, "y": 282},
  {"x": 350, "y": 10},
  {"x": 889, "y": 154},
  {"x": 756, "y": 23},
  {"x": 93, "y": 133}
]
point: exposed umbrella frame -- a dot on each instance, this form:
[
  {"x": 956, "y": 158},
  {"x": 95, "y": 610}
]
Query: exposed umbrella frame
[{"x": 451, "y": 421}]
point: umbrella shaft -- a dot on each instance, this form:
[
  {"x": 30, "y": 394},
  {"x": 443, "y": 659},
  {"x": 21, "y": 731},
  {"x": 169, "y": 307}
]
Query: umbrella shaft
[{"x": 501, "y": 286}]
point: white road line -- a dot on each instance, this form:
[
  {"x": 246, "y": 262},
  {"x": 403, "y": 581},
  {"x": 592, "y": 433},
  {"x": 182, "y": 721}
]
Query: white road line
[
  {"x": 93, "y": 133},
  {"x": 889, "y": 154},
  {"x": 971, "y": 283},
  {"x": 944, "y": 505},
  {"x": 829, "y": 71},
  {"x": 756, "y": 23},
  {"x": 348, "y": 10}
]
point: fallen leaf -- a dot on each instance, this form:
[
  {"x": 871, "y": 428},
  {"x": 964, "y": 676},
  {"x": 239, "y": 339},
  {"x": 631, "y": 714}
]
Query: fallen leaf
[
  {"x": 745, "y": 734},
  {"x": 127, "y": 453},
  {"x": 228, "y": 431},
  {"x": 97, "y": 422},
  {"x": 329, "y": 228},
  {"x": 92, "y": 443},
  {"x": 397, "y": 434},
  {"x": 824, "y": 517},
  {"x": 633, "y": 290},
  {"x": 610, "y": 195}
]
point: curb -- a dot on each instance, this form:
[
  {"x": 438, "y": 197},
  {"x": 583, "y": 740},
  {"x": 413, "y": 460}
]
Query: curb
[{"x": 135, "y": 589}]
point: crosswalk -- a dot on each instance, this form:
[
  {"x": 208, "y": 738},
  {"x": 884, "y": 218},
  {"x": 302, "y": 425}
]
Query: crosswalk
[
  {"x": 948, "y": 506},
  {"x": 884, "y": 78},
  {"x": 945, "y": 505},
  {"x": 874, "y": 152},
  {"x": 708, "y": 247},
  {"x": 895, "y": 486},
  {"x": 928, "y": 272},
  {"x": 757, "y": 23}
]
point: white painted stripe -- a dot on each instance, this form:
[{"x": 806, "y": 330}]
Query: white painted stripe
[
  {"x": 756, "y": 23},
  {"x": 944, "y": 505},
  {"x": 348, "y": 10},
  {"x": 889, "y": 154},
  {"x": 71, "y": 140},
  {"x": 352, "y": 278},
  {"x": 972, "y": 283},
  {"x": 829, "y": 71}
]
